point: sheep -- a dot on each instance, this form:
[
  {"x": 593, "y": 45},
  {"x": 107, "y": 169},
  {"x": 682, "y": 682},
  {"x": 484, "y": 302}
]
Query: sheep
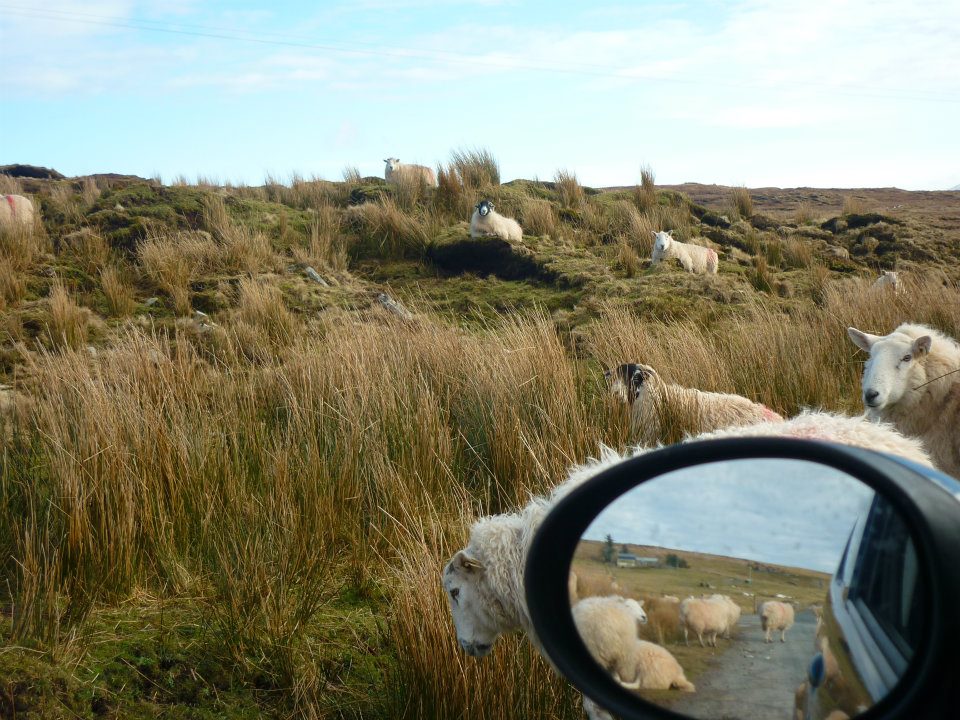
[
  {"x": 484, "y": 581},
  {"x": 775, "y": 615},
  {"x": 732, "y": 609},
  {"x": 654, "y": 402},
  {"x": 486, "y": 222},
  {"x": 888, "y": 281},
  {"x": 694, "y": 258},
  {"x": 912, "y": 379},
  {"x": 395, "y": 170},
  {"x": 606, "y": 626},
  {"x": 703, "y": 617},
  {"x": 16, "y": 210}
]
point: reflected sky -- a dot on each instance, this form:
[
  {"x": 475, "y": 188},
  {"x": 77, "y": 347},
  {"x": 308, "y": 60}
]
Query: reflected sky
[{"x": 783, "y": 512}]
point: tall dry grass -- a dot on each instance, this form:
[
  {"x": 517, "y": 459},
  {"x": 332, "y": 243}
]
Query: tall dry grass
[
  {"x": 477, "y": 169},
  {"x": 172, "y": 262},
  {"x": 741, "y": 202},
  {"x": 569, "y": 191},
  {"x": 118, "y": 291},
  {"x": 68, "y": 322},
  {"x": 539, "y": 217},
  {"x": 645, "y": 194},
  {"x": 386, "y": 230},
  {"x": 348, "y": 462}
]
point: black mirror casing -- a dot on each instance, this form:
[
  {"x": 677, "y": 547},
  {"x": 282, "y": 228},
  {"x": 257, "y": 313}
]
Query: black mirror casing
[{"x": 925, "y": 499}]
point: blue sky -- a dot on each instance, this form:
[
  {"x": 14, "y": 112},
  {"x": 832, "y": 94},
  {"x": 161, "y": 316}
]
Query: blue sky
[
  {"x": 761, "y": 92},
  {"x": 784, "y": 512}
]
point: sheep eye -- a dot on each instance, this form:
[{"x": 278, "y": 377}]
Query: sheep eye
[
  {"x": 454, "y": 594},
  {"x": 907, "y": 358}
]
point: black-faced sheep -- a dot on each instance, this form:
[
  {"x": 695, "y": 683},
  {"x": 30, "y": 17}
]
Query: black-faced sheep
[
  {"x": 487, "y": 222},
  {"x": 653, "y": 401}
]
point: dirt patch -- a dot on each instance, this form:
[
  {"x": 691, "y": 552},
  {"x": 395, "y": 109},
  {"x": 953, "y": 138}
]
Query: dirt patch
[{"x": 489, "y": 256}]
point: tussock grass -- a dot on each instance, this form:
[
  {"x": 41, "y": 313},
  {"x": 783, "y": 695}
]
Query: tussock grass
[
  {"x": 385, "y": 230},
  {"x": 89, "y": 249},
  {"x": 635, "y": 227},
  {"x": 326, "y": 246},
  {"x": 68, "y": 322},
  {"x": 628, "y": 259},
  {"x": 21, "y": 246},
  {"x": 13, "y": 284},
  {"x": 645, "y": 194},
  {"x": 262, "y": 306},
  {"x": 118, "y": 291},
  {"x": 10, "y": 185},
  {"x": 853, "y": 205},
  {"x": 477, "y": 169},
  {"x": 742, "y": 202},
  {"x": 804, "y": 214},
  {"x": 172, "y": 262},
  {"x": 797, "y": 253},
  {"x": 569, "y": 190},
  {"x": 539, "y": 217}
]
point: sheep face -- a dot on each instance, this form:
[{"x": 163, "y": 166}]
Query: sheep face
[
  {"x": 661, "y": 244},
  {"x": 620, "y": 381},
  {"x": 477, "y": 627},
  {"x": 893, "y": 369},
  {"x": 392, "y": 163},
  {"x": 484, "y": 207}
]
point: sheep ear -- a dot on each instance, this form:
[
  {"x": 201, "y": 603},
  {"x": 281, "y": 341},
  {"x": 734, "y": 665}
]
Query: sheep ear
[
  {"x": 469, "y": 565},
  {"x": 921, "y": 346},
  {"x": 653, "y": 232},
  {"x": 670, "y": 233},
  {"x": 862, "y": 340}
]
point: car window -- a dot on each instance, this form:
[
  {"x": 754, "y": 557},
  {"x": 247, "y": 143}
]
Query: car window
[{"x": 886, "y": 585}]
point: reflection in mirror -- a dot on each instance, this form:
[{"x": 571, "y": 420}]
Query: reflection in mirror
[{"x": 750, "y": 589}]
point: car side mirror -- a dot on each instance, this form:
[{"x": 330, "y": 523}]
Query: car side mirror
[{"x": 708, "y": 579}]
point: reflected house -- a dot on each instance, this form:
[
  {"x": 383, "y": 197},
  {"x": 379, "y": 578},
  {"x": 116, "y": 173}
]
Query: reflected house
[{"x": 629, "y": 560}]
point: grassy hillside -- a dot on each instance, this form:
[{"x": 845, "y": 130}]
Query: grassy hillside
[{"x": 230, "y": 475}]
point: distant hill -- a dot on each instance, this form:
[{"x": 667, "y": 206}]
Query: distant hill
[{"x": 955, "y": 187}]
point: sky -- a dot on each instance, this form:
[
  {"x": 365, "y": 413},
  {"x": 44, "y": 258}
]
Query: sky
[
  {"x": 782, "y": 512},
  {"x": 787, "y": 93}
]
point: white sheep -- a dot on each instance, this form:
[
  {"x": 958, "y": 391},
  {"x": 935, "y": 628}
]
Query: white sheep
[
  {"x": 607, "y": 627},
  {"x": 889, "y": 280},
  {"x": 732, "y": 609},
  {"x": 654, "y": 402},
  {"x": 775, "y": 615},
  {"x": 16, "y": 210},
  {"x": 703, "y": 617},
  {"x": 484, "y": 581},
  {"x": 395, "y": 170},
  {"x": 486, "y": 222},
  {"x": 912, "y": 379},
  {"x": 693, "y": 258}
]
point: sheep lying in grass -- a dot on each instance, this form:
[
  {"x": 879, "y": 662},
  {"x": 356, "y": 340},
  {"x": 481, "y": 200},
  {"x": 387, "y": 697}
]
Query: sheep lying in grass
[
  {"x": 775, "y": 615},
  {"x": 484, "y": 580},
  {"x": 704, "y": 616},
  {"x": 912, "y": 379},
  {"x": 607, "y": 626},
  {"x": 15, "y": 210},
  {"x": 656, "y": 405},
  {"x": 693, "y": 258},
  {"x": 888, "y": 281},
  {"x": 486, "y": 222},
  {"x": 395, "y": 171}
]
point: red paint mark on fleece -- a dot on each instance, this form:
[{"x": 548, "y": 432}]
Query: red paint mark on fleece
[
  {"x": 770, "y": 416},
  {"x": 12, "y": 203}
]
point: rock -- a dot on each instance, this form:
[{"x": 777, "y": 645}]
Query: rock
[
  {"x": 839, "y": 252},
  {"x": 391, "y": 305},
  {"x": 315, "y": 276},
  {"x": 92, "y": 351},
  {"x": 119, "y": 208},
  {"x": 202, "y": 320},
  {"x": 150, "y": 302}
]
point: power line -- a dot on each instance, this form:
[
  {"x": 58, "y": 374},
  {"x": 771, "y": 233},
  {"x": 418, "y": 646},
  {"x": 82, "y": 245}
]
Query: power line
[{"x": 582, "y": 69}]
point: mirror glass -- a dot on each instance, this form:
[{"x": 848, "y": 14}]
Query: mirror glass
[{"x": 763, "y": 588}]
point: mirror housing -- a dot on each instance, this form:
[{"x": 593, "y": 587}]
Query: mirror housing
[{"x": 928, "y": 501}]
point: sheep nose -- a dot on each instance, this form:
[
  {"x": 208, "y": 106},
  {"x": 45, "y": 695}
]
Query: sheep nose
[{"x": 869, "y": 396}]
